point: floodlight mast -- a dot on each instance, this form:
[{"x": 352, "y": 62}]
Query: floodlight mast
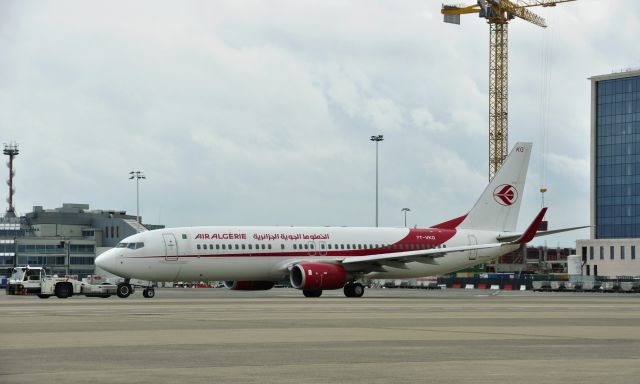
[
  {"x": 137, "y": 175},
  {"x": 377, "y": 139}
]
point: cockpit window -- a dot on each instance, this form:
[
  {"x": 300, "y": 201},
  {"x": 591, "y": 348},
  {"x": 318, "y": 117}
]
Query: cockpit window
[{"x": 130, "y": 245}]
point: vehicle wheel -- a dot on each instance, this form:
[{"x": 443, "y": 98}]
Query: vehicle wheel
[
  {"x": 149, "y": 293},
  {"x": 358, "y": 290},
  {"x": 123, "y": 290},
  {"x": 63, "y": 290},
  {"x": 44, "y": 296},
  {"x": 348, "y": 290},
  {"x": 312, "y": 292}
]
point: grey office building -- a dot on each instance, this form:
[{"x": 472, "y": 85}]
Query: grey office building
[{"x": 65, "y": 239}]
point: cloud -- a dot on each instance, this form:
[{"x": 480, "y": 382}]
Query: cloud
[{"x": 260, "y": 112}]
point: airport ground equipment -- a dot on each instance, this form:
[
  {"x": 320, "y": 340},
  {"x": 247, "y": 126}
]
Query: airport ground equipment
[
  {"x": 498, "y": 13},
  {"x": 35, "y": 281}
]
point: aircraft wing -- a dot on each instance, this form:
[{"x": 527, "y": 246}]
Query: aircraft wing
[
  {"x": 399, "y": 259},
  {"x": 427, "y": 256},
  {"x": 543, "y": 233}
]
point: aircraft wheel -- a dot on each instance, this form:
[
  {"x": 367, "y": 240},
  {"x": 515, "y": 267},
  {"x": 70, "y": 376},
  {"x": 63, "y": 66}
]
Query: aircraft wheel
[
  {"x": 348, "y": 290},
  {"x": 63, "y": 290},
  {"x": 124, "y": 290},
  {"x": 148, "y": 293},
  {"x": 358, "y": 290},
  {"x": 312, "y": 292}
]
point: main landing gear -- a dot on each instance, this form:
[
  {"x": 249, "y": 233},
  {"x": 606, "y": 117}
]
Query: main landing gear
[{"x": 352, "y": 289}]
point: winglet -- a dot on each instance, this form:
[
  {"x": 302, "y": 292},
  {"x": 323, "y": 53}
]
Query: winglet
[{"x": 530, "y": 233}]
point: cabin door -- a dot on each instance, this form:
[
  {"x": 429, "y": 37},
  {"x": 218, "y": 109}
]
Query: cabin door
[
  {"x": 170, "y": 246},
  {"x": 473, "y": 254}
]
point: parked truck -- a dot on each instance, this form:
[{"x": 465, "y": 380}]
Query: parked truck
[{"x": 35, "y": 281}]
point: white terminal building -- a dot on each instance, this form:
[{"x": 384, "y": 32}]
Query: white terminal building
[
  {"x": 614, "y": 246},
  {"x": 66, "y": 240}
]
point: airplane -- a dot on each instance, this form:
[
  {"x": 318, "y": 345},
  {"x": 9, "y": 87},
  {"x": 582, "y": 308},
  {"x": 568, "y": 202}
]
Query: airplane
[{"x": 314, "y": 259}]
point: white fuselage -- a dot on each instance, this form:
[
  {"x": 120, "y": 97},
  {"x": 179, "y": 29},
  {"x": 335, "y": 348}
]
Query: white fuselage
[{"x": 266, "y": 253}]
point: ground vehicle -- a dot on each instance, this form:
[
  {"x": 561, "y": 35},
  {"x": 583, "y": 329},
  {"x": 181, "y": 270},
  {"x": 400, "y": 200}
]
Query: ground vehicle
[{"x": 34, "y": 280}]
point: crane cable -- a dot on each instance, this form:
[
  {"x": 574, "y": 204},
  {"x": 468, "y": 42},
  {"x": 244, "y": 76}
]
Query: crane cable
[{"x": 546, "y": 58}]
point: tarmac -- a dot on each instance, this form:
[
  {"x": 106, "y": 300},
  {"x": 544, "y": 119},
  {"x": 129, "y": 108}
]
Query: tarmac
[{"x": 278, "y": 336}]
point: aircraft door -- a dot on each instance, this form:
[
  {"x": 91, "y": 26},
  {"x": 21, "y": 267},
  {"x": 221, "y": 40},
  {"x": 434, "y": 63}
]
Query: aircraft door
[
  {"x": 170, "y": 246},
  {"x": 312, "y": 248},
  {"x": 473, "y": 240},
  {"x": 323, "y": 248}
]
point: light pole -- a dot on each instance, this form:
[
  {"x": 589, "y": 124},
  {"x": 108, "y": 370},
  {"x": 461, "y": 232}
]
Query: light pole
[
  {"x": 405, "y": 210},
  {"x": 377, "y": 139},
  {"x": 137, "y": 175}
]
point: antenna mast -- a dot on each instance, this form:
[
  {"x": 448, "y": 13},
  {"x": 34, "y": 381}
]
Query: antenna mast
[{"x": 12, "y": 151}]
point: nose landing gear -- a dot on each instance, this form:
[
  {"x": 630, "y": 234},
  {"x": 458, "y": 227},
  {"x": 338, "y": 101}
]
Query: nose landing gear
[{"x": 124, "y": 289}]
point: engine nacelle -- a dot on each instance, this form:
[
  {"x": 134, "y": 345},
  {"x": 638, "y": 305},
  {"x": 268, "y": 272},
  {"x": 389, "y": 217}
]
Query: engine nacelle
[
  {"x": 249, "y": 285},
  {"x": 318, "y": 276}
]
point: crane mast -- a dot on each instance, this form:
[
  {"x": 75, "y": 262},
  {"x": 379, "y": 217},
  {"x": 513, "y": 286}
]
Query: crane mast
[{"x": 498, "y": 14}]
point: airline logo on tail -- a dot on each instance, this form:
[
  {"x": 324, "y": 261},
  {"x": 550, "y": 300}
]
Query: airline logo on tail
[{"x": 505, "y": 194}]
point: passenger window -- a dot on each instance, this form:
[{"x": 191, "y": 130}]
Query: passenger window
[
  {"x": 224, "y": 246},
  {"x": 237, "y": 246},
  {"x": 217, "y": 246},
  {"x": 242, "y": 246},
  {"x": 184, "y": 237},
  {"x": 306, "y": 246},
  {"x": 269, "y": 246},
  {"x": 281, "y": 246},
  {"x": 262, "y": 246},
  {"x": 294, "y": 246},
  {"x": 341, "y": 246},
  {"x": 249, "y": 246},
  {"x": 198, "y": 246},
  {"x": 348, "y": 246},
  {"x": 321, "y": 246},
  {"x": 311, "y": 246}
]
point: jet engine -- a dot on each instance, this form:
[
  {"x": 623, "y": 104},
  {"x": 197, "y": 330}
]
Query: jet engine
[
  {"x": 318, "y": 276},
  {"x": 249, "y": 285}
]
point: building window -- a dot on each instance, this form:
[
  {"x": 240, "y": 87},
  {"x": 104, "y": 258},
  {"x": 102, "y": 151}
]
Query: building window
[
  {"x": 611, "y": 252},
  {"x": 601, "y": 253},
  {"x": 622, "y": 252},
  {"x": 591, "y": 252},
  {"x": 633, "y": 252}
]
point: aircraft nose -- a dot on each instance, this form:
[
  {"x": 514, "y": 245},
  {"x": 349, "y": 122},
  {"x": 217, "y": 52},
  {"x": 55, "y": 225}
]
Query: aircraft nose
[{"x": 106, "y": 261}]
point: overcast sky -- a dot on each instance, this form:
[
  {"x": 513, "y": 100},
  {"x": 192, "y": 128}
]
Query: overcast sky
[{"x": 260, "y": 112}]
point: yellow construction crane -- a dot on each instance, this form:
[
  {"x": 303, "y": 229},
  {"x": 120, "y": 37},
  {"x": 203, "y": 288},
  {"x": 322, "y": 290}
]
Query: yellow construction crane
[{"x": 498, "y": 13}]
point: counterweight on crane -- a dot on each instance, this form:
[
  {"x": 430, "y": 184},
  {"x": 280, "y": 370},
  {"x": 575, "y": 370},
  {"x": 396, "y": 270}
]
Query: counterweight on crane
[{"x": 498, "y": 13}]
